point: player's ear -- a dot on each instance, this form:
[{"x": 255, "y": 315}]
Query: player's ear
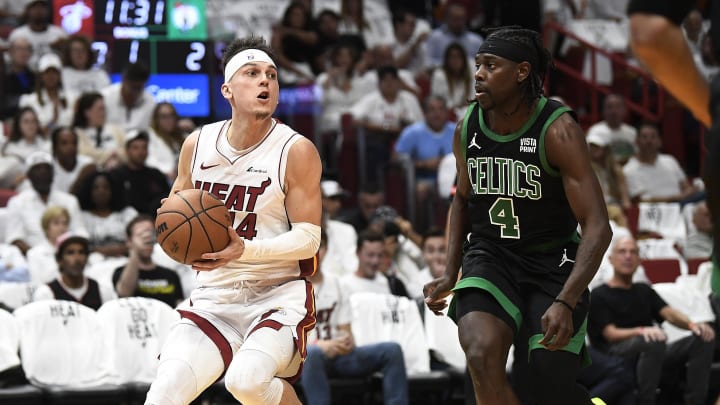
[
  {"x": 523, "y": 71},
  {"x": 225, "y": 90}
]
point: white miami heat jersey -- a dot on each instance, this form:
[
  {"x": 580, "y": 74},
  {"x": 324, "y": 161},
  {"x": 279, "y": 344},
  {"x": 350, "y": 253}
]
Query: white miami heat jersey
[
  {"x": 332, "y": 308},
  {"x": 251, "y": 182}
]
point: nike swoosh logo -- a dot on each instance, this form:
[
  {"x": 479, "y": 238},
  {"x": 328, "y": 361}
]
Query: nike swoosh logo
[{"x": 203, "y": 167}]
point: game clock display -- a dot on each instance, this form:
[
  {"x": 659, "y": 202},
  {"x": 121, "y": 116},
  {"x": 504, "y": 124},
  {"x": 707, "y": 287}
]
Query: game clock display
[{"x": 167, "y": 36}]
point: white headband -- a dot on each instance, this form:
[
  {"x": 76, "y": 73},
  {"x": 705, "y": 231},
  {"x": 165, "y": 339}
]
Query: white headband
[{"x": 242, "y": 58}]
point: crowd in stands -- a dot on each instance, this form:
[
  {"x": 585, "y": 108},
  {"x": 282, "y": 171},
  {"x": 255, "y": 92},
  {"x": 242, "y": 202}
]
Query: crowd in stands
[{"x": 85, "y": 163}]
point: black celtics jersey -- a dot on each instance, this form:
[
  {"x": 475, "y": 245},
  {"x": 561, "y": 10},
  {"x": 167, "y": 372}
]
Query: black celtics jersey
[{"x": 517, "y": 199}]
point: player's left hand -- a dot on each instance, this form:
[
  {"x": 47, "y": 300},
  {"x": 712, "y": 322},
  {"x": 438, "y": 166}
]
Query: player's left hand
[
  {"x": 211, "y": 261},
  {"x": 557, "y": 326}
]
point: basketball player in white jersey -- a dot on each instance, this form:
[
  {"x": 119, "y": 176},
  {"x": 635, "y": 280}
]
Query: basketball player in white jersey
[{"x": 249, "y": 317}]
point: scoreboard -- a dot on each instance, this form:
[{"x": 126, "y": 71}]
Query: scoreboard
[{"x": 169, "y": 36}]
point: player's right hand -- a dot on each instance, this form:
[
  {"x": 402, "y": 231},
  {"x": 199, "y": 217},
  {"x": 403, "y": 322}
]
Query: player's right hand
[{"x": 435, "y": 293}]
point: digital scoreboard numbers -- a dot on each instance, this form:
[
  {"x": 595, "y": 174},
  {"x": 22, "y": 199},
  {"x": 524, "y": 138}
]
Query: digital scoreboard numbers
[{"x": 167, "y": 36}]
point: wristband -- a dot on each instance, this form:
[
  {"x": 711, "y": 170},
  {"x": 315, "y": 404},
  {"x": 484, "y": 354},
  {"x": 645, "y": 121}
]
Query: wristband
[{"x": 563, "y": 302}]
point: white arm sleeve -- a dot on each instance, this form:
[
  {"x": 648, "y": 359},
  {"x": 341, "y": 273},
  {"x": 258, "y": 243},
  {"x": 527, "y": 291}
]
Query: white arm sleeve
[{"x": 300, "y": 242}]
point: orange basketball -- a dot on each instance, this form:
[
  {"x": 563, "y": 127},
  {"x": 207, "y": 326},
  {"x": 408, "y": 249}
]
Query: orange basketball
[{"x": 192, "y": 222}]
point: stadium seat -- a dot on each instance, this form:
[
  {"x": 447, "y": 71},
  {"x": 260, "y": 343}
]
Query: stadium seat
[
  {"x": 15, "y": 295},
  {"x": 661, "y": 270},
  {"x": 632, "y": 214},
  {"x": 5, "y": 194},
  {"x": 389, "y": 318},
  {"x": 135, "y": 329},
  {"x": 694, "y": 263},
  {"x": 63, "y": 354},
  {"x": 25, "y": 394}
]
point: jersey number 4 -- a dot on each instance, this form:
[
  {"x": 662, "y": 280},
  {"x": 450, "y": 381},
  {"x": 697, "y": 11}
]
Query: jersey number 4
[
  {"x": 502, "y": 214},
  {"x": 246, "y": 229}
]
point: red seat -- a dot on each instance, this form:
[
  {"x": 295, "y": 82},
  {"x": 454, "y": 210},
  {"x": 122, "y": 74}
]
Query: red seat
[
  {"x": 348, "y": 159},
  {"x": 5, "y": 194},
  {"x": 694, "y": 264},
  {"x": 632, "y": 214},
  {"x": 661, "y": 270}
]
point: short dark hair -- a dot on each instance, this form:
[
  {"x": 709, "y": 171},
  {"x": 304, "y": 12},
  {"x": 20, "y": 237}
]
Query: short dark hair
[
  {"x": 55, "y": 135},
  {"x": 136, "y": 72},
  {"x": 369, "y": 235},
  {"x": 387, "y": 70},
  {"x": 432, "y": 232},
  {"x": 136, "y": 220},
  {"x": 240, "y": 44}
]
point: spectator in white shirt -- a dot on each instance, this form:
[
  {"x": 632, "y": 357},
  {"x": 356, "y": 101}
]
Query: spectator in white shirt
[
  {"x": 128, "y": 104},
  {"x": 13, "y": 266},
  {"x": 620, "y": 135},
  {"x": 38, "y": 30},
  {"x": 454, "y": 81},
  {"x": 368, "y": 276},
  {"x": 434, "y": 254},
  {"x": 98, "y": 139},
  {"x": 72, "y": 285},
  {"x": 69, "y": 167},
  {"x": 342, "y": 238},
  {"x": 23, "y": 227},
  {"x": 409, "y": 48},
  {"x": 383, "y": 114},
  {"x": 78, "y": 72},
  {"x": 41, "y": 258},
  {"x": 25, "y": 137},
  {"x": 53, "y": 104},
  {"x": 653, "y": 176}
]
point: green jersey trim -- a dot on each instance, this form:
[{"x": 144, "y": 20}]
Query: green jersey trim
[
  {"x": 576, "y": 344},
  {"x": 484, "y": 284},
  {"x": 543, "y": 156},
  {"x": 517, "y": 134},
  {"x": 463, "y": 133}
]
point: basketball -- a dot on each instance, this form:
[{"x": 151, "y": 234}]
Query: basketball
[{"x": 192, "y": 222}]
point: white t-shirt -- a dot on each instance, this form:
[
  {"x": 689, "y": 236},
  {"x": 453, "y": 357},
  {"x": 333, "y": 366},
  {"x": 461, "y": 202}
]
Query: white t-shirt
[
  {"x": 63, "y": 179},
  {"x": 40, "y": 41},
  {"x": 46, "y": 110},
  {"x": 332, "y": 308},
  {"x": 622, "y": 139},
  {"x": 84, "y": 81},
  {"x": 352, "y": 284},
  {"x": 340, "y": 258},
  {"x": 42, "y": 265},
  {"x": 110, "y": 229},
  {"x": 378, "y": 111},
  {"x": 137, "y": 117},
  {"x": 661, "y": 179},
  {"x": 336, "y": 102},
  {"x": 25, "y": 209},
  {"x": 22, "y": 148}
]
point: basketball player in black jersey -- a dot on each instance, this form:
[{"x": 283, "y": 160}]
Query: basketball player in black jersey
[
  {"x": 524, "y": 184},
  {"x": 658, "y": 40}
]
